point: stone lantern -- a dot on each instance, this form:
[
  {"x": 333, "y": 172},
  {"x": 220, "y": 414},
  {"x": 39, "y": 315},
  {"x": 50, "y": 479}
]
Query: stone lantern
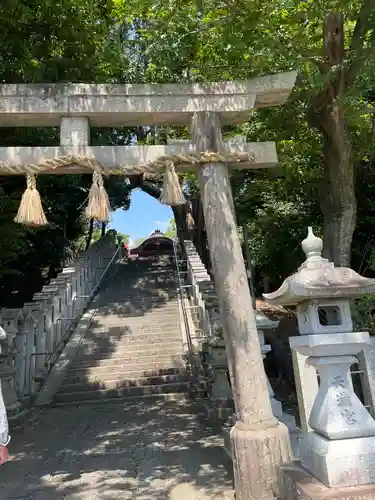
[
  {"x": 264, "y": 323},
  {"x": 340, "y": 449}
]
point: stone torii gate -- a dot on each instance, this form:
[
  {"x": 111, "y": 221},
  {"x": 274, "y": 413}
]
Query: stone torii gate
[{"x": 259, "y": 442}]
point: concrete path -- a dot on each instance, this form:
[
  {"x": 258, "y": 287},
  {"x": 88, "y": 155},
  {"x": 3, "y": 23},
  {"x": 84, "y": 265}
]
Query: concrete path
[{"x": 150, "y": 450}]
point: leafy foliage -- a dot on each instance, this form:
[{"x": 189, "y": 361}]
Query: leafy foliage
[
  {"x": 224, "y": 40},
  {"x": 171, "y": 229},
  {"x": 192, "y": 41},
  {"x": 48, "y": 41}
]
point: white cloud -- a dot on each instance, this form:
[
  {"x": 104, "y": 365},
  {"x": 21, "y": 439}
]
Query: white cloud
[{"x": 162, "y": 225}]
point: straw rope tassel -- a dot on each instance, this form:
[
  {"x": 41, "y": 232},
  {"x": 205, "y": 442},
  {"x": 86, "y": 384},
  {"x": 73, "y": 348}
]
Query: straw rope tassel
[
  {"x": 30, "y": 211},
  {"x": 172, "y": 194},
  {"x": 98, "y": 206}
]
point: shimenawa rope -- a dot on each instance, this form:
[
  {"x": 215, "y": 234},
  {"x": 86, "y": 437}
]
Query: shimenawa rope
[{"x": 31, "y": 211}]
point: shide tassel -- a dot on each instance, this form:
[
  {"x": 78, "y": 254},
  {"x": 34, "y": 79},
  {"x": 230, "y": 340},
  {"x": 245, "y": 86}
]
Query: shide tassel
[
  {"x": 30, "y": 212},
  {"x": 98, "y": 206},
  {"x": 172, "y": 194}
]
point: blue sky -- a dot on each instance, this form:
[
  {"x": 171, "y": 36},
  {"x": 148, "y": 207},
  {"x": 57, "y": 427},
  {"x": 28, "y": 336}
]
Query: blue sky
[{"x": 144, "y": 215}]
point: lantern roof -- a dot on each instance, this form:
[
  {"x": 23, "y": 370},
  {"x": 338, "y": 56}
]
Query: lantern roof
[{"x": 318, "y": 278}]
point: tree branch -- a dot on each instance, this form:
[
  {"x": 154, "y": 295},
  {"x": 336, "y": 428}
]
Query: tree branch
[
  {"x": 151, "y": 189},
  {"x": 365, "y": 22}
]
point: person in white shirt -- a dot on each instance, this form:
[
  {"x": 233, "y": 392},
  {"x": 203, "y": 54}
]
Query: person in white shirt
[{"x": 4, "y": 428}]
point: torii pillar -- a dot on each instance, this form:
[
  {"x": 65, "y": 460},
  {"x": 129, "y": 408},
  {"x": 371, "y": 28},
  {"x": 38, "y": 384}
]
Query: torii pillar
[{"x": 260, "y": 443}]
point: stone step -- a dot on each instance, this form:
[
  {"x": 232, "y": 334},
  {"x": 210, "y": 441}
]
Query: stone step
[
  {"x": 154, "y": 303},
  {"x": 99, "y": 324},
  {"x": 134, "y": 342},
  {"x": 91, "y": 384},
  {"x": 124, "y": 392},
  {"x": 153, "y": 331},
  {"x": 151, "y": 274},
  {"x": 101, "y": 319},
  {"x": 157, "y": 332},
  {"x": 136, "y": 316},
  {"x": 172, "y": 396},
  {"x": 139, "y": 281},
  {"x": 141, "y": 288},
  {"x": 103, "y": 374},
  {"x": 129, "y": 352},
  {"x": 132, "y": 363},
  {"x": 162, "y": 302}
]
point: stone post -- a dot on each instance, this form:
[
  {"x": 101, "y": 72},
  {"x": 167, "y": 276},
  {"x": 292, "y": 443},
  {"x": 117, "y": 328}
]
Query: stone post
[
  {"x": 265, "y": 349},
  {"x": 62, "y": 320},
  {"x": 79, "y": 301},
  {"x": 29, "y": 326},
  {"x": 37, "y": 363},
  {"x": 71, "y": 290},
  {"x": 46, "y": 303},
  {"x": 14, "y": 408},
  {"x": 53, "y": 291},
  {"x": 260, "y": 443},
  {"x": 89, "y": 276},
  {"x": 17, "y": 328}
]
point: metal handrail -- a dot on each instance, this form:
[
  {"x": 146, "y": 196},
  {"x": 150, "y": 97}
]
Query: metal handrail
[
  {"x": 183, "y": 306},
  {"x": 101, "y": 277},
  {"x": 66, "y": 337}
]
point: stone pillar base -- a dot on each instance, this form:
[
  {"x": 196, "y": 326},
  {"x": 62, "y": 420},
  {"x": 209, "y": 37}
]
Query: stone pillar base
[
  {"x": 16, "y": 415},
  {"x": 219, "y": 409},
  {"x": 340, "y": 463},
  {"x": 257, "y": 457},
  {"x": 296, "y": 483},
  {"x": 16, "y": 412},
  {"x": 288, "y": 420}
]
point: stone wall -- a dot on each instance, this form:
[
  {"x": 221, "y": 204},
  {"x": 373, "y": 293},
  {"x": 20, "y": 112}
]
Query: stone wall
[{"x": 34, "y": 335}]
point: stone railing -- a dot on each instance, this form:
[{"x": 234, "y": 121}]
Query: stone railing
[
  {"x": 37, "y": 332},
  {"x": 203, "y": 295},
  {"x": 209, "y": 336}
]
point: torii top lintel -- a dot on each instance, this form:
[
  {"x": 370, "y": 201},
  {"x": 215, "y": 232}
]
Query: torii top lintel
[{"x": 135, "y": 105}]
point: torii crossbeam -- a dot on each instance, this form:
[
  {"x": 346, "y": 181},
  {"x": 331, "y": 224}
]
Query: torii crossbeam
[{"x": 76, "y": 107}]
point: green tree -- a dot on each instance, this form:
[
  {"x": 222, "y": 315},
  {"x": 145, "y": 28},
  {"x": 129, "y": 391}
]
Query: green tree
[
  {"x": 51, "y": 42},
  {"x": 217, "y": 41},
  {"x": 171, "y": 229}
]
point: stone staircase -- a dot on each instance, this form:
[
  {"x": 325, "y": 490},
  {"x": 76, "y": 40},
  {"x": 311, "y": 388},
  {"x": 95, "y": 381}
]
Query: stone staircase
[{"x": 133, "y": 347}]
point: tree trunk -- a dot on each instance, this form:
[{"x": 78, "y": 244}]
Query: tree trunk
[
  {"x": 200, "y": 235},
  {"x": 89, "y": 234},
  {"x": 104, "y": 226},
  {"x": 185, "y": 224},
  {"x": 338, "y": 201},
  {"x": 327, "y": 114}
]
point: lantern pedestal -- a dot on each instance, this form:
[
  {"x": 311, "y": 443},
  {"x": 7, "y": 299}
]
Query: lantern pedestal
[
  {"x": 340, "y": 462},
  {"x": 299, "y": 484}
]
